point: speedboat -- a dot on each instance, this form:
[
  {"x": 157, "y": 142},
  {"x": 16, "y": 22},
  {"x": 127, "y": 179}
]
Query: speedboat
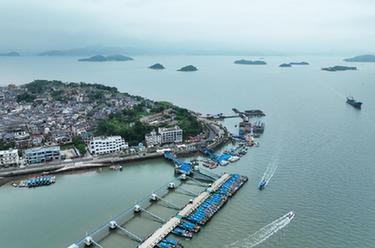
[
  {"x": 262, "y": 184},
  {"x": 290, "y": 215}
]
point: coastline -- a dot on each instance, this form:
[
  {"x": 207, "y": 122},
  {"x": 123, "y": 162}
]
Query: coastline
[{"x": 217, "y": 136}]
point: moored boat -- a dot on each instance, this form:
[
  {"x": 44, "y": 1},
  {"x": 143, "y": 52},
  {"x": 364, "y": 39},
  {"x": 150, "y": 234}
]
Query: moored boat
[
  {"x": 35, "y": 182},
  {"x": 182, "y": 233}
]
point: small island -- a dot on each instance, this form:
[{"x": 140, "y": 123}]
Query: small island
[
  {"x": 101, "y": 58},
  {"x": 10, "y": 54},
  {"x": 52, "y": 53},
  {"x": 299, "y": 63},
  {"x": 339, "y": 68},
  {"x": 285, "y": 65},
  {"x": 157, "y": 66},
  {"x": 188, "y": 68},
  {"x": 250, "y": 62},
  {"x": 361, "y": 58},
  {"x": 293, "y": 63}
]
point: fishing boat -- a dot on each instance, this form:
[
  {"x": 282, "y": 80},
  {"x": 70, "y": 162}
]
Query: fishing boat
[
  {"x": 35, "y": 182},
  {"x": 262, "y": 184},
  {"x": 354, "y": 103},
  {"x": 170, "y": 243},
  {"x": 182, "y": 233}
]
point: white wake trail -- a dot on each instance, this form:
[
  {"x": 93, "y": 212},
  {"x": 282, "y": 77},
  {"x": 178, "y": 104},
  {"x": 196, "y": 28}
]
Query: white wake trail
[
  {"x": 264, "y": 233},
  {"x": 270, "y": 171}
]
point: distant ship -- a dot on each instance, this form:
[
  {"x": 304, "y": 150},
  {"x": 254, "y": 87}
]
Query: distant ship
[
  {"x": 262, "y": 184},
  {"x": 354, "y": 103}
]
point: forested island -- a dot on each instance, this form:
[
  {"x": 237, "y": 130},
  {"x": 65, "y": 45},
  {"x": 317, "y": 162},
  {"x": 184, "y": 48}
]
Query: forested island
[
  {"x": 157, "y": 66},
  {"x": 250, "y": 62},
  {"x": 285, "y": 65},
  {"x": 361, "y": 58},
  {"x": 101, "y": 58},
  {"x": 339, "y": 68},
  {"x": 293, "y": 63},
  {"x": 188, "y": 68}
]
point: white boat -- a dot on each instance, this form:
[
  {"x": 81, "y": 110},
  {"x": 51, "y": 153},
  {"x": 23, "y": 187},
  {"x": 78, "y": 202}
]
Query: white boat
[
  {"x": 233, "y": 159},
  {"x": 224, "y": 162}
]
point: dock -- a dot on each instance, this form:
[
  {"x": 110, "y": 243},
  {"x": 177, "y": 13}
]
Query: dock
[
  {"x": 163, "y": 231},
  {"x": 224, "y": 186}
]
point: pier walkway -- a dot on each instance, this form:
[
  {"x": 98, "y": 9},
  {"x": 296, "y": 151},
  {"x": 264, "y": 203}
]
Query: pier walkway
[{"x": 163, "y": 231}]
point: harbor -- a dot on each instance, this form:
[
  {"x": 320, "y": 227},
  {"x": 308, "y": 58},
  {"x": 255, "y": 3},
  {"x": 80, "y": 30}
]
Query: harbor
[{"x": 186, "y": 219}]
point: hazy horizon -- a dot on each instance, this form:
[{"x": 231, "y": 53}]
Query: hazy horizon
[{"x": 165, "y": 26}]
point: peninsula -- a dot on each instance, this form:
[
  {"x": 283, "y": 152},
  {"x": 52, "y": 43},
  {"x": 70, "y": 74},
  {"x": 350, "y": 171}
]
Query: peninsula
[
  {"x": 101, "y": 58},
  {"x": 157, "y": 66},
  {"x": 361, "y": 58},
  {"x": 250, "y": 62},
  {"x": 51, "y": 125},
  {"x": 188, "y": 68},
  {"x": 339, "y": 68}
]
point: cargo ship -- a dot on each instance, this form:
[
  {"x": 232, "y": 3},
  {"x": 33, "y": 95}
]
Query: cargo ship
[{"x": 354, "y": 103}]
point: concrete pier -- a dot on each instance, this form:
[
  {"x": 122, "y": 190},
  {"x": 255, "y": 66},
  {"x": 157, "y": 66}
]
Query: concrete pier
[{"x": 163, "y": 231}]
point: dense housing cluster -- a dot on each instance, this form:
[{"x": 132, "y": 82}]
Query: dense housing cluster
[{"x": 44, "y": 121}]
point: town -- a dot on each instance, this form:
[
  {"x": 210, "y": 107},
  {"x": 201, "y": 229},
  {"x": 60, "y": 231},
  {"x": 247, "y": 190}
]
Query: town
[{"x": 52, "y": 123}]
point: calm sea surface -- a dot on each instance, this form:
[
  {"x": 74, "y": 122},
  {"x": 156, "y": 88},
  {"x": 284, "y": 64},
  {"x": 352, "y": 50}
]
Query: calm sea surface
[{"x": 324, "y": 151}]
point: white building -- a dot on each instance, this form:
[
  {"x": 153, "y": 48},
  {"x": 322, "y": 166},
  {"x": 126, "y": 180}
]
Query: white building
[
  {"x": 153, "y": 139},
  {"x": 170, "y": 135},
  {"x": 9, "y": 158},
  {"x": 105, "y": 145}
]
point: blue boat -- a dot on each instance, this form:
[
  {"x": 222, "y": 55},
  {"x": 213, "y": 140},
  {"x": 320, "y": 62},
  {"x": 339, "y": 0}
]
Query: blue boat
[
  {"x": 170, "y": 243},
  {"x": 182, "y": 233},
  {"x": 262, "y": 184}
]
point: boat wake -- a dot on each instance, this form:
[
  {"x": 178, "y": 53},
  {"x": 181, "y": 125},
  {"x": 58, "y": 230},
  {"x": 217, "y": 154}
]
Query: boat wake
[
  {"x": 264, "y": 233},
  {"x": 270, "y": 171}
]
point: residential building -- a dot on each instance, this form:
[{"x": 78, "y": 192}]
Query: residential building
[
  {"x": 153, "y": 139},
  {"x": 170, "y": 135},
  {"x": 42, "y": 154},
  {"x": 62, "y": 137},
  {"x": 9, "y": 158},
  {"x": 106, "y": 145}
]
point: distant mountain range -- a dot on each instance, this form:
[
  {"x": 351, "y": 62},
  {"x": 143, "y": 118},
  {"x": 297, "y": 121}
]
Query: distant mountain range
[
  {"x": 88, "y": 51},
  {"x": 10, "y": 54},
  {"x": 145, "y": 50},
  {"x": 361, "y": 58}
]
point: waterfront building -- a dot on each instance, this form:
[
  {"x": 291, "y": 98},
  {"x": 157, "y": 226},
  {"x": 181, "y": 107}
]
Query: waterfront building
[
  {"x": 42, "y": 154},
  {"x": 9, "y": 158},
  {"x": 153, "y": 139},
  {"x": 170, "y": 135},
  {"x": 105, "y": 145}
]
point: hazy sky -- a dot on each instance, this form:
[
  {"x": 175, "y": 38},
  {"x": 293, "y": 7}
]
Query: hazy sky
[{"x": 248, "y": 25}]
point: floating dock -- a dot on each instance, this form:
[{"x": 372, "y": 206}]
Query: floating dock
[
  {"x": 225, "y": 185},
  {"x": 167, "y": 228}
]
